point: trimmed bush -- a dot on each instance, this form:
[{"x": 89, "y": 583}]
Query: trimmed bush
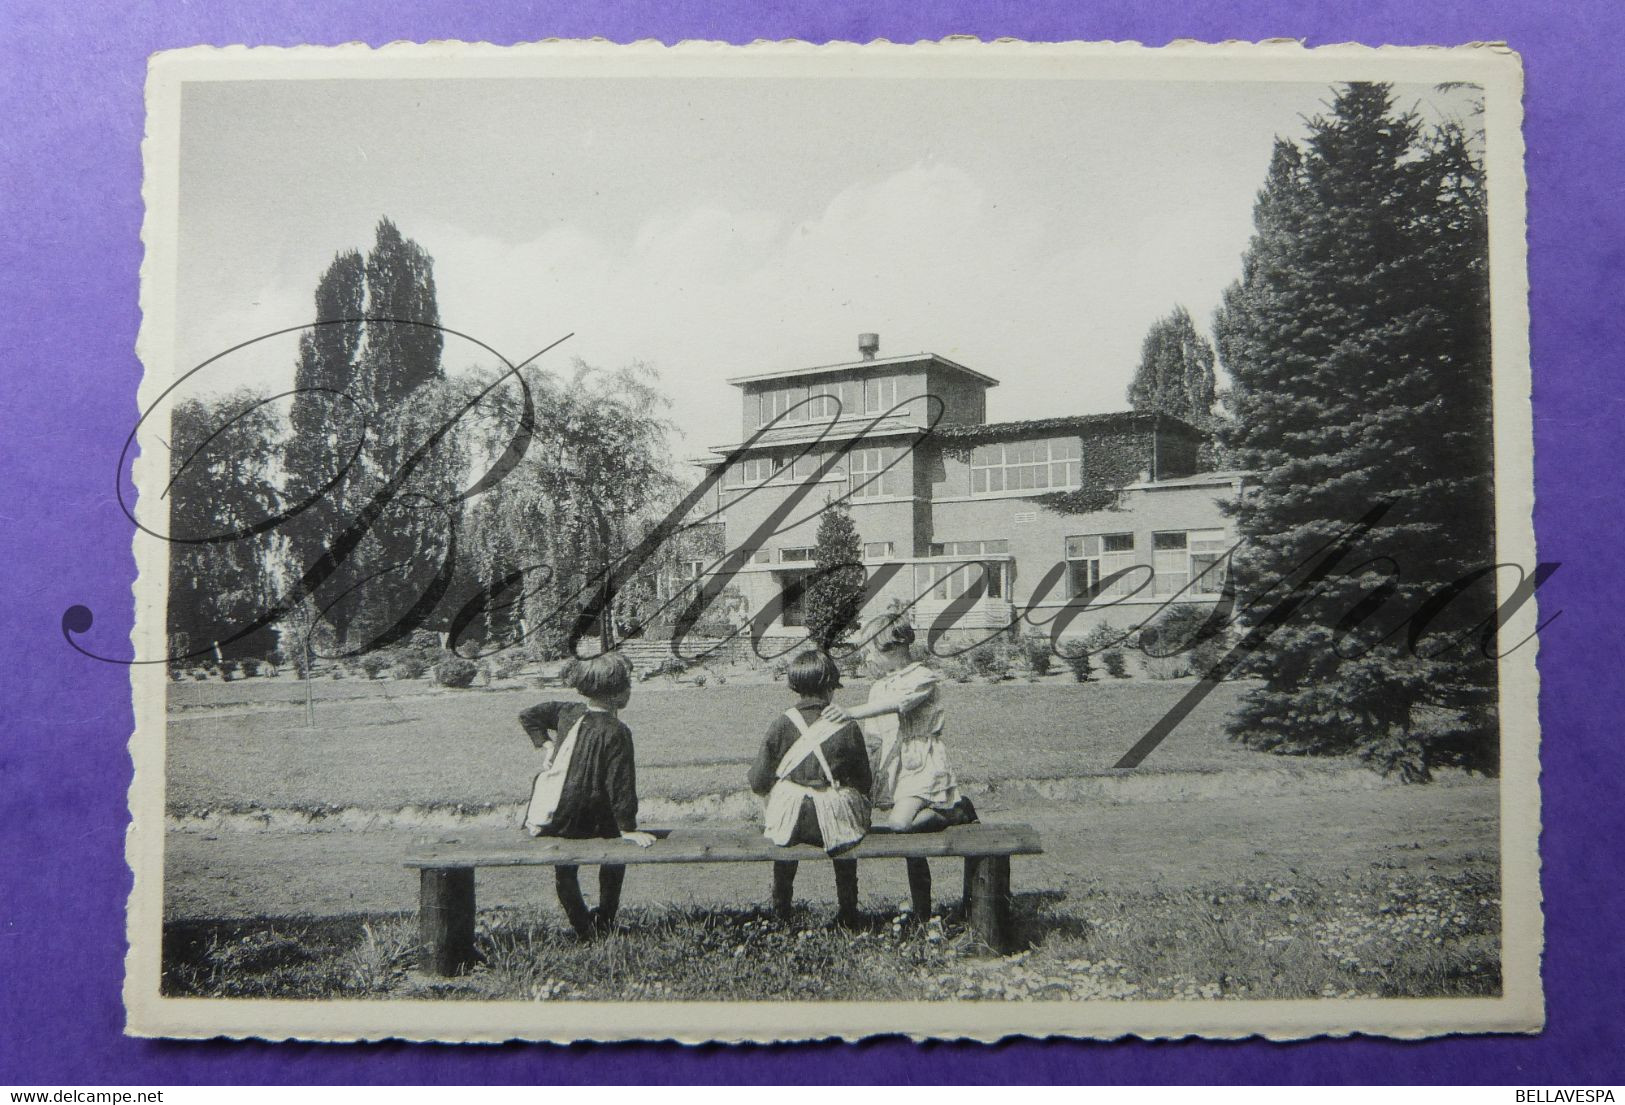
[
  {"x": 454, "y": 671},
  {"x": 991, "y": 659},
  {"x": 409, "y": 666},
  {"x": 1115, "y": 662},
  {"x": 1040, "y": 656},
  {"x": 1083, "y": 668},
  {"x": 506, "y": 664},
  {"x": 374, "y": 664},
  {"x": 250, "y": 666},
  {"x": 228, "y": 668}
]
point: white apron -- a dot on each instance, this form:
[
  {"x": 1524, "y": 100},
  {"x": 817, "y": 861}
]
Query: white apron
[
  {"x": 843, "y": 813},
  {"x": 549, "y": 783}
]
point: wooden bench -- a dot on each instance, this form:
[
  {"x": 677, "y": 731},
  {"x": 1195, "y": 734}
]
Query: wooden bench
[{"x": 446, "y": 872}]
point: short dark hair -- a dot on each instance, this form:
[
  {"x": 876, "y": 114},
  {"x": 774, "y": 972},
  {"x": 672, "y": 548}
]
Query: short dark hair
[
  {"x": 601, "y": 676},
  {"x": 813, "y": 672},
  {"x": 887, "y": 633}
]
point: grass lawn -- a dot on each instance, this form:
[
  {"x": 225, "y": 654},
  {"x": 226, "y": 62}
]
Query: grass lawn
[
  {"x": 387, "y": 745},
  {"x": 1375, "y": 937},
  {"x": 1211, "y": 872}
]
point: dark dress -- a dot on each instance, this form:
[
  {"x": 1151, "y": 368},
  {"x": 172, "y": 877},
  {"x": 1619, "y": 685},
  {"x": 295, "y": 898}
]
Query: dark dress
[
  {"x": 848, "y": 762},
  {"x": 600, "y": 793}
]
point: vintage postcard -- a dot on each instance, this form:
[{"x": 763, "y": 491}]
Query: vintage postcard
[{"x": 785, "y": 542}]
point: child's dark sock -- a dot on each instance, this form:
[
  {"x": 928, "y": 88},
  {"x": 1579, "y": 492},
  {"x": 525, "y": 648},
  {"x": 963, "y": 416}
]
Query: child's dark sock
[
  {"x": 569, "y": 887},
  {"x": 784, "y": 885},
  {"x": 846, "y": 893},
  {"x": 611, "y": 876}
]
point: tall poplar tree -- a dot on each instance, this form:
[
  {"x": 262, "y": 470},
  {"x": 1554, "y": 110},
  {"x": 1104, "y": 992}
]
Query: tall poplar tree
[
  {"x": 1175, "y": 375},
  {"x": 369, "y": 378},
  {"x": 1358, "y": 342}
]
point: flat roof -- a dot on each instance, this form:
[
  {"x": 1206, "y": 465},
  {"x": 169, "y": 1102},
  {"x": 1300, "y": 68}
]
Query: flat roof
[
  {"x": 847, "y": 366},
  {"x": 988, "y": 431}
]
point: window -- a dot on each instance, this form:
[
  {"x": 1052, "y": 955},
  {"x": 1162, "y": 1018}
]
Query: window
[
  {"x": 879, "y": 395},
  {"x": 839, "y": 399},
  {"x": 1207, "y": 549},
  {"x": 877, "y": 550},
  {"x": 777, "y": 401},
  {"x": 1025, "y": 465},
  {"x": 969, "y": 548},
  {"x": 1097, "y": 556},
  {"x": 1170, "y": 559},
  {"x": 808, "y": 464},
  {"x": 946, "y": 582},
  {"x": 950, "y": 580},
  {"x": 874, "y": 473},
  {"x": 762, "y": 556},
  {"x": 678, "y": 578},
  {"x": 756, "y": 470},
  {"x": 795, "y": 556},
  {"x": 792, "y": 588}
]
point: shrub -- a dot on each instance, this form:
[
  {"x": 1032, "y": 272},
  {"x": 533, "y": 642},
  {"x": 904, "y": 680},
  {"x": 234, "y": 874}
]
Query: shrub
[
  {"x": 506, "y": 664},
  {"x": 250, "y": 666},
  {"x": 700, "y": 679},
  {"x": 409, "y": 666},
  {"x": 991, "y": 659},
  {"x": 1116, "y": 663},
  {"x": 1040, "y": 656},
  {"x": 228, "y": 668},
  {"x": 374, "y": 664},
  {"x": 1082, "y": 667},
  {"x": 1175, "y": 644},
  {"x": 200, "y": 674},
  {"x": 958, "y": 668},
  {"x": 455, "y": 671}
]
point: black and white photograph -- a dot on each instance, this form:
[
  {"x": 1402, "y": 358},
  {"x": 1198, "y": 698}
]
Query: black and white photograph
[{"x": 774, "y": 542}]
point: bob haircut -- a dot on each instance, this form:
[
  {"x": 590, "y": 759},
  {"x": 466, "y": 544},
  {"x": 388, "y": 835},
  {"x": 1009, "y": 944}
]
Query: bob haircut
[
  {"x": 887, "y": 635},
  {"x": 601, "y": 676},
  {"x": 813, "y": 672}
]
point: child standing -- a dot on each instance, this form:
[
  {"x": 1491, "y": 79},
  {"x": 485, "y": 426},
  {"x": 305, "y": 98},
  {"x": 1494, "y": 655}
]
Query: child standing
[
  {"x": 816, "y": 778},
  {"x": 587, "y": 786},
  {"x": 905, "y": 717}
]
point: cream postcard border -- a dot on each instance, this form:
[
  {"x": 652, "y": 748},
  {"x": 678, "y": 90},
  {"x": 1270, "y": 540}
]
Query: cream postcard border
[{"x": 1520, "y": 1008}]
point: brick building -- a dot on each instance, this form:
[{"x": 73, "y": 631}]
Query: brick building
[{"x": 1041, "y": 512}]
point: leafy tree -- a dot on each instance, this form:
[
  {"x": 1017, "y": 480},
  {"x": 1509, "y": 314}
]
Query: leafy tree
[
  {"x": 222, "y": 459},
  {"x": 833, "y": 595},
  {"x": 1175, "y": 375},
  {"x": 1358, "y": 342},
  {"x": 596, "y": 477}
]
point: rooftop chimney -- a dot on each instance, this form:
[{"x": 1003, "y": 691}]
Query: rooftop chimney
[{"x": 868, "y": 346}]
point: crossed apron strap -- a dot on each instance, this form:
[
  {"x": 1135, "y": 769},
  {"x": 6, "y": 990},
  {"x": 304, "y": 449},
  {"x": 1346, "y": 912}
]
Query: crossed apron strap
[{"x": 810, "y": 744}]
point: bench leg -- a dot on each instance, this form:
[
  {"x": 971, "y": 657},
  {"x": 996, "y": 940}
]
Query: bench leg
[
  {"x": 987, "y": 905},
  {"x": 919, "y": 888},
  {"x": 446, "y": 919}
]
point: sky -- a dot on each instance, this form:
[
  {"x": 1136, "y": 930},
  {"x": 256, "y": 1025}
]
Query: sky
[{"x": 1032, "y": 230}]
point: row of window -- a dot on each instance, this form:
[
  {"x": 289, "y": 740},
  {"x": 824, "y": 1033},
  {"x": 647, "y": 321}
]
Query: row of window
[
  {"x": 874, "y": 472},
  {"x": 1026, "y": 465},
  {"x": 1179, "y": 558},
  {"x": 820, "y": 402}
]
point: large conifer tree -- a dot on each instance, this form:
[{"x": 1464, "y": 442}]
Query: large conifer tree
[{"x": 1358, "y": 343}]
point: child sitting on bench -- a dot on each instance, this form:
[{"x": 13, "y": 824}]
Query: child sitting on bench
[
  {"x": 587, "y": 786},
  {"x": 815, "y": 776}
]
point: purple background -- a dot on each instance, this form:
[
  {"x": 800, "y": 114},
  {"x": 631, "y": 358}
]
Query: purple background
[{"x": 70, "y": 252}]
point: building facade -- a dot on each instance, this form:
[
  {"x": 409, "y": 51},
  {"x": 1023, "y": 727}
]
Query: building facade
[{"x": 1096, "y": 518}]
